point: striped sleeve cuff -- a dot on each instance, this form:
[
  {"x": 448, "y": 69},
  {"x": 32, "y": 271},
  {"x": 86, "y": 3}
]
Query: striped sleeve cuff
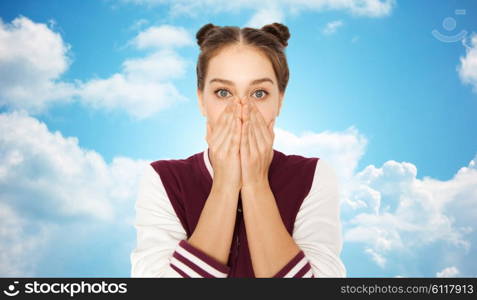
[
  {"x": 297, "y": 267},
  {"x": 191, "y": 262}
]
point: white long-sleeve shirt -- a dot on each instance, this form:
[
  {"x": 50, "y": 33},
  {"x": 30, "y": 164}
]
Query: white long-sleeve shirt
[{"x": 162, "y": 249}]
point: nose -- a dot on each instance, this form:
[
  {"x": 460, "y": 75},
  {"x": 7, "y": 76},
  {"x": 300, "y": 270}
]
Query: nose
[{"x": 243, "y": 100}]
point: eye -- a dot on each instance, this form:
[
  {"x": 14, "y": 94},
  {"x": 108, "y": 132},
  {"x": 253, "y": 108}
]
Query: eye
[
  {"x": 263, "y": 91},
  {"x": 221, "y": 95}
]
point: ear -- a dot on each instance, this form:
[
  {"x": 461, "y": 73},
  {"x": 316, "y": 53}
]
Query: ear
[{"x": 201, "y": 103}]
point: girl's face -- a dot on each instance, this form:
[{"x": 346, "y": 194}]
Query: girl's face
[{"x": 240, "y": 72}]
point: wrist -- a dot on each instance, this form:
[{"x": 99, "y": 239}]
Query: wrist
[
  {"x": 225, "y": 187},
  {"x": 256, "y": 186}
]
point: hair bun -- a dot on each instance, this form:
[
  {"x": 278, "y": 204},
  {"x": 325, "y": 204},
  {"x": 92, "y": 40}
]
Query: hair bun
[
  {"x": 279, "y": 30},
  {"x": 203, "y": 32}
]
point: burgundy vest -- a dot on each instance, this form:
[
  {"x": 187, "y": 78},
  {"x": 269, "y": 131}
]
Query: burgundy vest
[{"x": 188, "y": 184}]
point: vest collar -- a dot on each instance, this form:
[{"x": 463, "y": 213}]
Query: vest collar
[{"x": 207, "y": 162}]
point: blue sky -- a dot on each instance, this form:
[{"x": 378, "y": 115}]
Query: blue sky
[{"x": 371, "y": 89}]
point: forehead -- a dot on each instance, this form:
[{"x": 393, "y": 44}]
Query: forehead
[{"x": 240, "y": 64}]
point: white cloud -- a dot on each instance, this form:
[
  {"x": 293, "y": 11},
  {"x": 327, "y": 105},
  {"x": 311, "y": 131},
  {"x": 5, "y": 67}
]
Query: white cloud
[
  {"x": 342, "y": 149},
  {"x": 49, "y": 183},
  {"x": 41, "y": 170},
  {"x": 468, "y": 64},
  {"x": 369, "y": 8},
  {"x": 32, "y": 58},
  {"x": 21, "y": 243},
  {"x": 164, "y": 36},
  {"x": 265, "y": 16},
  {"x": 448, "y": 272},
  {"x": 401, "y": 212},
  {"x": 331, "y": 27},
  {"x": 157, "y": 67},
  {"x": 145, "y": 84},
  {"x": 377, "y": 258},
  {"x": 142, "y": 88},
  {"x": 387, "y": 210},
  {"x": 138, "y": 24}
]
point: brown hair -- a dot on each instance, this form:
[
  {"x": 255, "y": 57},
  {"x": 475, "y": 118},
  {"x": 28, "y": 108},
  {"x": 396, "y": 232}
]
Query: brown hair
[{"x": 271, "y": 39}]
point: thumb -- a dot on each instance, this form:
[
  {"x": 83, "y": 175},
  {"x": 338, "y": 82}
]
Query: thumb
[
  {"x": 270, "y": 128},
  {"x": 272, "y": 123}
]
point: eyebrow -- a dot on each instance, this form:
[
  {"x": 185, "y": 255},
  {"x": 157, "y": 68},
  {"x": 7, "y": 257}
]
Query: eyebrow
[{"x": 253, "y": 82}]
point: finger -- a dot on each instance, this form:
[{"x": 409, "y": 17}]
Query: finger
[
  {"x": 257, "y": 140},
  {"x": 244, "y": 142},
  {"x": 237, "y": 132},
  {"x": 239, "y": 111},
  {"x": 260, "y": 123},
  {"x": 271, "y": 125},
  {"x": 225, "y": 111},
  {"x": 229, "y": 138},
  {"x": 246, "y": 112},
  {"x": 225, "y": 133},
  {"x": 252, "y": 138},
  {"x": 222, "y": 120},
  {"x": 223, "y": 127},
  {"x": 252, "y": 143},
  {"x": 271, "y": 129},
  {"x": 226, "y": 144},
  {"x": 235, "y": 144},
  {"x": 263, "y": 138},
  {"x": 272, "y": 133},
  {"x": 259, "y": 136}
]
